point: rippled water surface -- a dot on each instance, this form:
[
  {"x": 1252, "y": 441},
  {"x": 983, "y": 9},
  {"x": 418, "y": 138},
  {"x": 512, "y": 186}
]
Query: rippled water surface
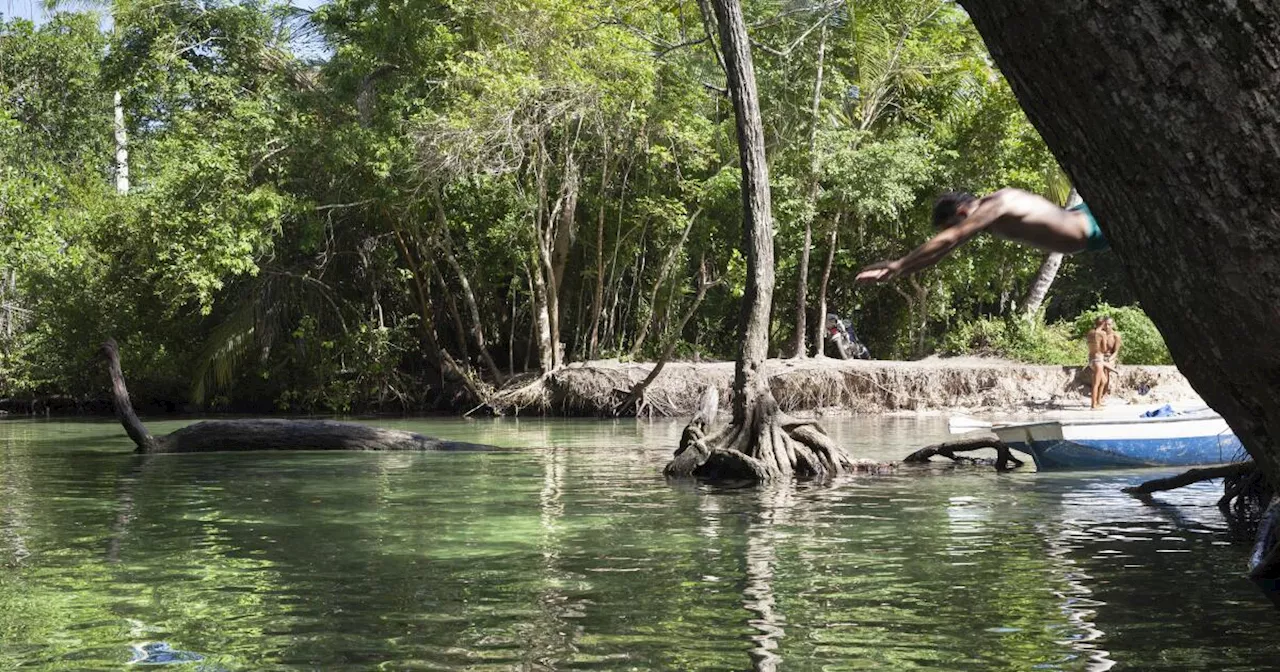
[{"x": 570, "y": 552}]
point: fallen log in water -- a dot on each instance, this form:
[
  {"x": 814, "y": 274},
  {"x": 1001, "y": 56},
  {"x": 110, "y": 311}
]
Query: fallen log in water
[
  {"x": 265, "y": 434},
  {"x": 1189, "y": 477},
  {"x": 948, "y": 449}
]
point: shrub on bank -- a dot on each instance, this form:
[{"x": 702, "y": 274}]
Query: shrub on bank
[
  {"x": 1034, "y": 342},
  {"x": 1142, "y": 344}
]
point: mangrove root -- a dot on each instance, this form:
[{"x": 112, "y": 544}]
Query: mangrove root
[
  {"x": 948, "y": 449},
  {"x": 270, "y": 434},
  {"x": 768, "y": 445},
  {"x": 1189, "y": 477},
  {"x": 1245, "y": 491}
]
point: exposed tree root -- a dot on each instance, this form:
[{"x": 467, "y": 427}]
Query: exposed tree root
[
  {"x": 1189, "y": 477},
  {"x": 1264, "y": 561},
  {"x": 948, "y": 449},
  {"x": 770, "y": 445}
]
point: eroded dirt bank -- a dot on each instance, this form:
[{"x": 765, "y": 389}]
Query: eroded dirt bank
[{"x": 967, "y": 384}]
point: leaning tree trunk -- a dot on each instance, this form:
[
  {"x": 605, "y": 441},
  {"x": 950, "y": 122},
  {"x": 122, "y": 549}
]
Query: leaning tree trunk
[
  {"x": 266, "y": 434},
  {"x": 1164, "y": 114},
  {"x": 761, "y": 443},
  {"x": 1046, "y": 275}
]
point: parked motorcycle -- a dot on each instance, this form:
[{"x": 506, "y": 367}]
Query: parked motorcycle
[{"x": 841, "y": 342}]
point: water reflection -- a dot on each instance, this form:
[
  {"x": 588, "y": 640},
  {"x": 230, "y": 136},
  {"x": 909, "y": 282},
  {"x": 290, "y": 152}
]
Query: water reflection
[
  {"x": 573, "y": 553},
  {"x": 774, "y": 506}
]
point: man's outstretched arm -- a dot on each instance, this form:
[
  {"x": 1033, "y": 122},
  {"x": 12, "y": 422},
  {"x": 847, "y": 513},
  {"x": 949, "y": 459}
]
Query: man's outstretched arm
[{"x": 933, "y": 250}]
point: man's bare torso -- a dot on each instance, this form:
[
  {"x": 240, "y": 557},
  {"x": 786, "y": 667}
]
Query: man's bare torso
[{"x": 1036, "y": 221}]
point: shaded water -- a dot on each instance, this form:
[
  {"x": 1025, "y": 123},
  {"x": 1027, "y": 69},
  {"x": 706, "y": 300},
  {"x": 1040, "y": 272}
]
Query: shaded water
[{"x": 571, "y": 552}]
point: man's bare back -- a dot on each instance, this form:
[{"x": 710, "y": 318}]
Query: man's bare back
[
  {"x": 1034, "y": 220},
  {"x": 1095, "y": 339},
  {"x": 1012, "y": 214}
]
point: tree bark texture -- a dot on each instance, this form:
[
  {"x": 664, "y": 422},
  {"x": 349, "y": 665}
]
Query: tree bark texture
[
  {"x": 757, "y": 299},
  {"x": 761, "y": 443},
  {"x": 1164, "y": 114}
]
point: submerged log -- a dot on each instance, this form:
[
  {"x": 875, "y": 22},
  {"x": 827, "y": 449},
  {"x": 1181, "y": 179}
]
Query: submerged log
[
  {"x": 948, "y": 449},
  {"x": 265, "y": 434}
]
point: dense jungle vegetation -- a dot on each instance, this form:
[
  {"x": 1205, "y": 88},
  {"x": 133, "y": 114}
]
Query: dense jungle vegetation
[{"x": 371, "y": 205}]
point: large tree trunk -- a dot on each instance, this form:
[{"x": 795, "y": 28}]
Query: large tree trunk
[
  {"x": 1164, "y": 113},
  {"x": 1045, "y": 276},
  {"x": 761, "y": 443},
  {"x": 802, "y": 274}
]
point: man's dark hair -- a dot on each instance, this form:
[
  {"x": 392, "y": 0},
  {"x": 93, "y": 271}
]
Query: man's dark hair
[{"x": 944, "y": 209}]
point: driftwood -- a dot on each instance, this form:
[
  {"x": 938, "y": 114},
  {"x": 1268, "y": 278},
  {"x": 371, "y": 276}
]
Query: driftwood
[
  {"x": 948, "y": 449},
  {"x": 1189, "y": 477},
  {"x": 268, "y": 434}
]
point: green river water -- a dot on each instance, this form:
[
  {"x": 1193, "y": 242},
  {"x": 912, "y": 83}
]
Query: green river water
[{"x": 570, "y": 551}]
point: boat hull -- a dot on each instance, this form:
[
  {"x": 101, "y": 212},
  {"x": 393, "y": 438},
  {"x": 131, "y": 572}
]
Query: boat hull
[{"x": 1154, "y": 442}]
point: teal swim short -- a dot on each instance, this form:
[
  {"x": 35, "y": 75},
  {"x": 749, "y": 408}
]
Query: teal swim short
[{"x": 1096, "y": 241}]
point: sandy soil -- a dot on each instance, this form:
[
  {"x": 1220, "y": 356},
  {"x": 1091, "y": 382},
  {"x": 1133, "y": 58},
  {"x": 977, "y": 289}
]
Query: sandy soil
[{"x": 962, "y": 384}]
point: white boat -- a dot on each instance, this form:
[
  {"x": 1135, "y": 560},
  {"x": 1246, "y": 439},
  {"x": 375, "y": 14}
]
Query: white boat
[{"x": 1179, "y": 440}]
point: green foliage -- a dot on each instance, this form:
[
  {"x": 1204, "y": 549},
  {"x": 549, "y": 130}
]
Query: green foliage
[
  {"x": 1061, "y": 342},
  {"x": 1142, "y": 342},
  {"x": 1021, "y": 340},
  {"x": 283, "y": 245}
]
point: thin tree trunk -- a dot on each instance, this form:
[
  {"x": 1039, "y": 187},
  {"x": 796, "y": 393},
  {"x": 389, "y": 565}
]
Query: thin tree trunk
[
  {"x": 451, "y": 307},
  {"x": 468, "y": 295},
  {"x": 820, "y": 328},
  {"x": 749, "y": 380},
  {"x": 663, "y": 272},
  {"x": 511, "y": 333},
  {"x": 122, "y": 147},
  {"x": 802, "y": 274},
  {"x": 1045, "y": 276},
  {"x": 615, "y": 286},
  {"x": 635, "y": 401},
  {"x": 628, "y": 310},
  {"x": 1164, "y": 112},
  {"x": 533, "y": 320},
  {"x": 597, "y": 297}
]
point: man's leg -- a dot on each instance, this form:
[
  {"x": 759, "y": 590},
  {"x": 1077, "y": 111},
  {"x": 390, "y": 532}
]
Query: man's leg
[{"x": 1099, "y": 377}]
